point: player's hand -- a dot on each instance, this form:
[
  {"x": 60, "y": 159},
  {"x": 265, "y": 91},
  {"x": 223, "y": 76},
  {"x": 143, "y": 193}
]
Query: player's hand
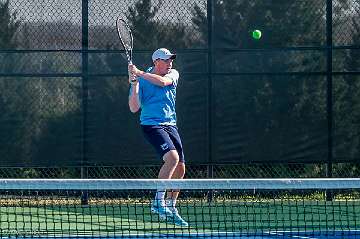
[
  {"x": 134, "y": 70},
  {"x": 132, "y": 76},
  {"x": 132, "y": 79}
]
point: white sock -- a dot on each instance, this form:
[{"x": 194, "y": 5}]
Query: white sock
[{"x": 160, "y": 195}]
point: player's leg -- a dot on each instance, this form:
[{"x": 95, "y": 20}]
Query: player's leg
[
  {"x": 172, "y": 196},
  {"x": 171, "y": 160},
  {"x": 158, "y": 137},
  {"x": 178, "y": 173}
]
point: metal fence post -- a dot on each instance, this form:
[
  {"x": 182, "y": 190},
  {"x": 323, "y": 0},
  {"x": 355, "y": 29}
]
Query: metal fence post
[
  {"x": 84, "y": 72},
  {"x": 210, "y": 86},
  {"x": 329, "y": 79},
  {"x": 210, "y": 94}
]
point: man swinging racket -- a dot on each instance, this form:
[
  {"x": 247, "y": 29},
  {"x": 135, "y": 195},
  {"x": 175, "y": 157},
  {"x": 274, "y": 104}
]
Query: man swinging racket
[{"x": 154, "y": 91}]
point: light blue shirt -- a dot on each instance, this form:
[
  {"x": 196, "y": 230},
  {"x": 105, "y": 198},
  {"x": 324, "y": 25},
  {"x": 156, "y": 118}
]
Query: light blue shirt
[{"x": 158, "y": 103}]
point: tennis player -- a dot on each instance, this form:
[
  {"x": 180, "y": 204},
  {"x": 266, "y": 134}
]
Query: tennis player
[{"x": 154, "y": 91}]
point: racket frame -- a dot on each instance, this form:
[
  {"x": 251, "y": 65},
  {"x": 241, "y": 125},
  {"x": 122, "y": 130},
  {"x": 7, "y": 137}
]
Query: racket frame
[{"x": 127, "y": 48}]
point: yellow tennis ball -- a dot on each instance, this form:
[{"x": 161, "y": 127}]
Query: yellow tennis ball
[{"x": 256, "y": 34}]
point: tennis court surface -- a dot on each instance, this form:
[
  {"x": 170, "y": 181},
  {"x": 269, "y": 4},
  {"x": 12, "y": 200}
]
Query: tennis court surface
[{"x": 220, "y": 208}]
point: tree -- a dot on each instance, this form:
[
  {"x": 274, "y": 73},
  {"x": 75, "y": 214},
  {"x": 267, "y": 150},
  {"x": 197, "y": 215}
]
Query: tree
[
  {"x": 280, "y": 118},
  {"x": 31, "y": 107},
  {"x": 347, "y": 90},
  {"x": 10, "y": 134},
  {"x": 9, "y": 25},
  {"x": 151, "y": 32}
]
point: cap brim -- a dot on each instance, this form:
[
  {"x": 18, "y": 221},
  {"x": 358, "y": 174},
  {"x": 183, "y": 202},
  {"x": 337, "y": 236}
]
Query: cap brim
[{"x": 173, "y": 56}]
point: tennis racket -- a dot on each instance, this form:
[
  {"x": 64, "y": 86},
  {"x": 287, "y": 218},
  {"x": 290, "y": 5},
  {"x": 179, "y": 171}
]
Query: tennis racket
[{"x": 126, "y": 38}]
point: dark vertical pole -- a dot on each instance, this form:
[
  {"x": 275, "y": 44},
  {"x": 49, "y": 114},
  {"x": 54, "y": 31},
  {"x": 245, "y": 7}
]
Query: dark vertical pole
[
  {"x": 329, "y": 79},
  {"x": 210, "y": 86},
  {"x": 210, "y": 93},
  {"x": 84, "y": 69}
]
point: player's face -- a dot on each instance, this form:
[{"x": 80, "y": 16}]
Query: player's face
[{"x": 164, "y": 66}]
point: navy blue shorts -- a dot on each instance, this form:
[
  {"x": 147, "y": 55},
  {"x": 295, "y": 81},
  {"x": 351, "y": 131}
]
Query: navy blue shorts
[{"x": 164, "y": 138}]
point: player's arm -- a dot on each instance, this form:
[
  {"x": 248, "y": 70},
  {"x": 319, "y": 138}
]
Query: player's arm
[
  {"x": 156, "y": 79},
  {"x": 153, "y": 78},
  {"x": 134, "y": 101}
]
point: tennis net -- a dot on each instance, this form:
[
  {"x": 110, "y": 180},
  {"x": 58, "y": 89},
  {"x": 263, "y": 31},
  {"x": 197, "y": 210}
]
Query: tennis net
[{"x": 213, "y": 208}]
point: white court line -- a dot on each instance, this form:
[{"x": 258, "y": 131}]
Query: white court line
[
  {"x": 304, "y": 237},
  {"x": 283, "y": 233}
]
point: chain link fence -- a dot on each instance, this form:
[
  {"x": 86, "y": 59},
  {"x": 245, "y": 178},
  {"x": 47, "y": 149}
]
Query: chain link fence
[
  {"x": 261, "y": 170},
  {"x": 284, "y": 106}
]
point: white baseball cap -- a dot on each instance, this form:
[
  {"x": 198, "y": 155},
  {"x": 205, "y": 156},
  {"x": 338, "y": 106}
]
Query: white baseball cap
[{"x": 163, "y": 54}]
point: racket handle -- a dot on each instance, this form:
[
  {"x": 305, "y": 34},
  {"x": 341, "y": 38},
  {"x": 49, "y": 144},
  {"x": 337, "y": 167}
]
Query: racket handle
[{"x": 132, "y": 79}]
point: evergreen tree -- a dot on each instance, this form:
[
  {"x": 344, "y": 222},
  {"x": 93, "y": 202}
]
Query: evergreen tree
[
  {"x": 151, "y": 32},
  {"x": 8, "y": 26},
  {"x": 280, "y": 117},
  {"x": 347, "y": 92},
  {"x": 10, "y": 133}
]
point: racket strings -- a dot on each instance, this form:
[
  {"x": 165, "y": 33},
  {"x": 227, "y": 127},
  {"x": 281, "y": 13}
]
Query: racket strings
[
  {"x": 126, "y": 38},
  {"x": 125, "y": 35}
]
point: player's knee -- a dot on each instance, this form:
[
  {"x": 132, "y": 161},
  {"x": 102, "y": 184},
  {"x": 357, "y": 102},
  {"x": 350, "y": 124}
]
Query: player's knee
[
  {"x": 172, "y": 157},
  {"x": 181, "y": 169}
]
